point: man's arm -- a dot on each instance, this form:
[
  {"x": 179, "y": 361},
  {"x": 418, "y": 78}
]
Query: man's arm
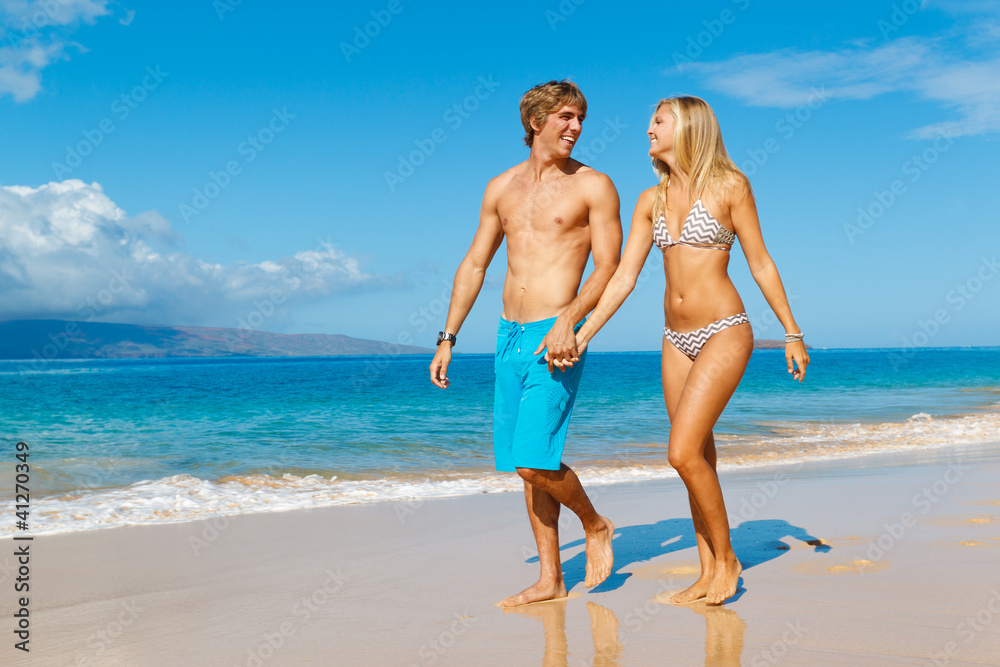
[
  {"x": 469, "y": 279},
  {"x": 606, "y": 244}
]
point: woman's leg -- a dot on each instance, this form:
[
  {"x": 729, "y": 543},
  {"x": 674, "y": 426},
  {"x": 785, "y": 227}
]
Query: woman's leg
[
  {"x": 707, "y": 387},
  {"x": 675, "y": 368}
]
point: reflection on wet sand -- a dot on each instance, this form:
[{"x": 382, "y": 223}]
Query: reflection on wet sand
[
  {"x": 603, "y": 629},
  {"x": 724, "y": 631},
  {"x": 723, "y": 634}
]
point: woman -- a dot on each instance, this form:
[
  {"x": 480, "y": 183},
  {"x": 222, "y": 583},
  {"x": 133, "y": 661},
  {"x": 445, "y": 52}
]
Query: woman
[{"x": 701, "y": 205}]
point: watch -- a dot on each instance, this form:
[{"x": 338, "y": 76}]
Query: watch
[{"x": 450, "y": 337}]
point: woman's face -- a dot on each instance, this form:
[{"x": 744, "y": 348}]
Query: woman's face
[{"x": 661, "y": 133}]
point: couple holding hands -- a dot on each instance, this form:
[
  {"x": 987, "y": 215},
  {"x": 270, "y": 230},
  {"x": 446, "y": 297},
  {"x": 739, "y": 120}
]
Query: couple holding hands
[{"x": 554, "y": 213}]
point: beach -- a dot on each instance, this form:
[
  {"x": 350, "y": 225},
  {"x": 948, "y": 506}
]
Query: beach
[{"x": 878, "y": 560}]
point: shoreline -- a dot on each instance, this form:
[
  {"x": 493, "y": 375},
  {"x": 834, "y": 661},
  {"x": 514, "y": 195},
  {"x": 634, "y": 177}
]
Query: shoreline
[
  {"x": 842, "y": 566},
  {"x": 184, "y": 498}
]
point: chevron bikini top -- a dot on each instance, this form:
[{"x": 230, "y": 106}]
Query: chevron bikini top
[{"x": 699, "y": 230}]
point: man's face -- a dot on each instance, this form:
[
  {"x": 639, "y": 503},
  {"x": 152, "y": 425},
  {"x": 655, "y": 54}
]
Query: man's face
[{"x": 561, "y": 130}]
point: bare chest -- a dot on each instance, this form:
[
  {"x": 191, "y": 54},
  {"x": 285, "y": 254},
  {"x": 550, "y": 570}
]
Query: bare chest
[{"x": 542, "y": 210}]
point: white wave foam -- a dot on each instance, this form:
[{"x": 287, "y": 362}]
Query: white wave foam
[{"x": 185, "y": 498}]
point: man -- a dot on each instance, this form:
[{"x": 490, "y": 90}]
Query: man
[{"x": 553, "y": 211}]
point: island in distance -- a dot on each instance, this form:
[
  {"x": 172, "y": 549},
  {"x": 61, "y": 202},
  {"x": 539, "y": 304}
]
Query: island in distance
[{"x": 63, "y": 339}]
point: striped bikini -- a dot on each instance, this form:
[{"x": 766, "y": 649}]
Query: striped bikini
[{"x": 700, "y": 230}]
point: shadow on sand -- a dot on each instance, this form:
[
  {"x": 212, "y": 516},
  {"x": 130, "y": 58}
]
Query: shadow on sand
[{"x": 754, "y": 542}]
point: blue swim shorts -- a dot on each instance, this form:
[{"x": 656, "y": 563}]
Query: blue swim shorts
[{"x": 531, "y": 406}]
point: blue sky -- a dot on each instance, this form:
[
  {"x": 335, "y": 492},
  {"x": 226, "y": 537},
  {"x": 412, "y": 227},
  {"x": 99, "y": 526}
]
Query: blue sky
[{"x": 318, "y": 167}]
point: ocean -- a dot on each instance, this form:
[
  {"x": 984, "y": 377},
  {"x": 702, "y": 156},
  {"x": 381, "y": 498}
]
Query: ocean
[{"x": 122, "y": 442}]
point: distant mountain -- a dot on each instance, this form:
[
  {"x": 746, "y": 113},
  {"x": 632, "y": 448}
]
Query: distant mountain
[{"x": 61, "y": 339}]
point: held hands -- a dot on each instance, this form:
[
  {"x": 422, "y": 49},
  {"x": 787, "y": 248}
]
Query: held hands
[
  {"x": 560, "y": 347},
  {"x": 439, "y": 365},
  {"x": 797, "y": 358}
]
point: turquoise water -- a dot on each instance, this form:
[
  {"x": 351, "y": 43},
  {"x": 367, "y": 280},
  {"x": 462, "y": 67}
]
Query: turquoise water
[{"x": 375, "y": 423}]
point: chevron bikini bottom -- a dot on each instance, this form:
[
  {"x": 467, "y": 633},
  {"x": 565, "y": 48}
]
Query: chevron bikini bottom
[{"x": 691, "y": 342}]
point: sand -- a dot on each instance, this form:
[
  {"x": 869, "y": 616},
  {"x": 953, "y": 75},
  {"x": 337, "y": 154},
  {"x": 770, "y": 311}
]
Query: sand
[{"x": 872, "y": 561}]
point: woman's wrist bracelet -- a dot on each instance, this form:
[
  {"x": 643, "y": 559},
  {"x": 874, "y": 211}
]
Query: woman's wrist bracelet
[{"x": 793, "y": 337}]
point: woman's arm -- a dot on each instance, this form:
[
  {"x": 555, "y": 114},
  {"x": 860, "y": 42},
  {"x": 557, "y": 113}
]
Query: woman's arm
[
  {"x": 640, "y": 239},
  {"x": 765, "y": 273}
]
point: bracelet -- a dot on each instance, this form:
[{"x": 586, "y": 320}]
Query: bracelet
[{"x": 793, "y": 337}]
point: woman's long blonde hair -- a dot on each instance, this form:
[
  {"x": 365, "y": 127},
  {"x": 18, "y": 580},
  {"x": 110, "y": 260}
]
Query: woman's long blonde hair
[{"x": 700, "y": 153}]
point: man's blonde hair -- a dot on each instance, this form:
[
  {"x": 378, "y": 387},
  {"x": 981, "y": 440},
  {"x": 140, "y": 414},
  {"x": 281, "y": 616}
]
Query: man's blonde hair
[
  {"x": 543, "y": 99},
  {"x": 699, "y": 150}
]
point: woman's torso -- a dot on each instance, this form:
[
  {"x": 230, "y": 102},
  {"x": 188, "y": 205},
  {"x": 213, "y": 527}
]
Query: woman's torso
[{"x": 699, "y": 290}]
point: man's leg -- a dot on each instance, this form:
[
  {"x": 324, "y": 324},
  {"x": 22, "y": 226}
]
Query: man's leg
[
  {"x": 536, "y": 449},
  {"x": 564, "y": 486},
  {"x": 543, "y": 513}
]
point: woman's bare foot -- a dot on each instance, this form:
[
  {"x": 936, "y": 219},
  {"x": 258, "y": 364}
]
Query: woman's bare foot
[
  {"x": 540, "y": 592},
  {"x": 695, "y": 591},
  {"x": 600, "y": 556},
  {"x": 724, "y": 583}
]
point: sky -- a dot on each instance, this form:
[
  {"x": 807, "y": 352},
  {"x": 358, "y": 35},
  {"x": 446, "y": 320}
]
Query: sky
[{"x": 318, "y": 167}]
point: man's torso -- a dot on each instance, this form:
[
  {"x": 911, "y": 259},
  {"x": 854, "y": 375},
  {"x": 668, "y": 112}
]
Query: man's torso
[{"x": 547, "y": 227}]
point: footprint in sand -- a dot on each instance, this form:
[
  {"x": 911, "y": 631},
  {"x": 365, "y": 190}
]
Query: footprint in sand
[{"x": 861, "y": 566}]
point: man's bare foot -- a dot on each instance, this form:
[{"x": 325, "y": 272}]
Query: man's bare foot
[
  {"x": 540, "y": 592},
  {"x": 695, "y": 591},
  {"x": 724, "y": 583},
  {"x": 600, "y": 556}
]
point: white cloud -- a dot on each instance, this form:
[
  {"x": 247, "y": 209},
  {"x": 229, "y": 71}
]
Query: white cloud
[
  {"x": 925, "y": 67},
  {"x": 68, "y": 251},
  {"x": 34, "y": 35}
]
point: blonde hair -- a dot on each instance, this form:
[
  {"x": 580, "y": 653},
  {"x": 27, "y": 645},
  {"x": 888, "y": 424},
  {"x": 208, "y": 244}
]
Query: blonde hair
[
  {"x": 543, "y": 99},
  {"x": 700, "y": 153}
]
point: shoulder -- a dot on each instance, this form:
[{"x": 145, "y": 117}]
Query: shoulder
[
  {"x": 502, "y": 181},
  {"x": 646, "y": 198},
  {"x": 733, "y": 188},
  {"x": 591, "y": 179}
]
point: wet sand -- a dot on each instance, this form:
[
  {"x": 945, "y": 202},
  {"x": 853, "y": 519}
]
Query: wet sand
[{"x": 875, "y": 561}]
